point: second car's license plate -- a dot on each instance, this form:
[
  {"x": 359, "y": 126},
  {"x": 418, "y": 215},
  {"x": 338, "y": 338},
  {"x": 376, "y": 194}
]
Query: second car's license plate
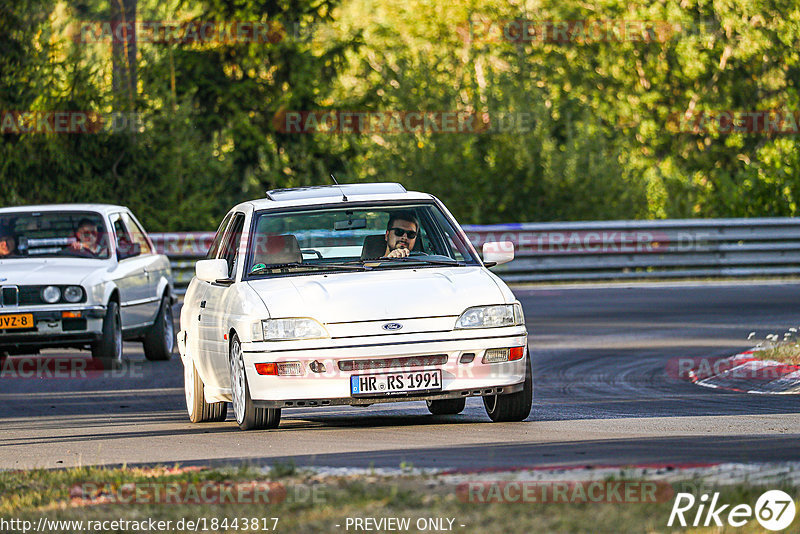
[
  {"x": 396, "y": 382},
  {"x": 18, "y": 320}
]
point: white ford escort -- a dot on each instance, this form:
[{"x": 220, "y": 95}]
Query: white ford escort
[{"x": 350, "y": 295}]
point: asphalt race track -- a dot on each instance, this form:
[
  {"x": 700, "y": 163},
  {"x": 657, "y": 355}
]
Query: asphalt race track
[{"x": 601, "y": 396}]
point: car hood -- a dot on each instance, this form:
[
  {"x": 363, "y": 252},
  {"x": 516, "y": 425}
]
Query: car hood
[
  {"x": 377, "y": 295},
  {"x": 66, "y": 271}
]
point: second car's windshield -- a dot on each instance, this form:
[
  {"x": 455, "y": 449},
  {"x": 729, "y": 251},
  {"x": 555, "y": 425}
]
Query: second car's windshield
[
  {"x": 308, "y": 239},
  {"x": 53, "y": 233}
]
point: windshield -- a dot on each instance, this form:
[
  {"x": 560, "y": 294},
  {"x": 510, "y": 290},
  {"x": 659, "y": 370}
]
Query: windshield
[
  {"x": 324, "y": 239},
  {"x": 49, "y": 233}
]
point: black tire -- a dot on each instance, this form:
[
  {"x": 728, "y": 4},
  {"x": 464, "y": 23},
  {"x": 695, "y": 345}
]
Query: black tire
[
  {"x": 200, "y": 411},
  {"x": 159, "y": 341},
  {"x": 109, "y": 348},
  {"x": 248, "y": 416},
  {"x": 446, "y": 406},
  {"x": 514, "y": 406}
]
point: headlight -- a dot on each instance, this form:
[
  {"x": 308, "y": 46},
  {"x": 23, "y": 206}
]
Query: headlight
[
  {"x": 51, "y": 294},
  {"x": 286, "y": 329},
  {"x": 491, "y": 316},
  {"x": 73, "y": 293}
]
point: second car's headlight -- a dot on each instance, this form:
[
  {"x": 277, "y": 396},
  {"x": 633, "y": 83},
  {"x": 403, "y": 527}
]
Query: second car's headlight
[
  {"x": 286, "y": 329},
  {"x": 51, "y": 294},
  {"x": 73, "y": 293},
  {"x": 491, "y": 316}
]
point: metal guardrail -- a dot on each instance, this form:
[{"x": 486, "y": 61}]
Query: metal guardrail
[{"x": 678, "y": 248}]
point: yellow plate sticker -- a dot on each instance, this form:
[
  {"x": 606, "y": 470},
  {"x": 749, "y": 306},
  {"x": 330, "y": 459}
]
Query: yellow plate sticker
[{"x": 18, "y": 320}]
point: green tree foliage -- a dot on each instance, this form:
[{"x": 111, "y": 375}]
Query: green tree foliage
[{"x": 603, "y": 127}]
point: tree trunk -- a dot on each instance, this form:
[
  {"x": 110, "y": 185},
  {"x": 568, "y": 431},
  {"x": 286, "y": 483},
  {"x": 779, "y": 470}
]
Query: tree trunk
[{"x": 123, "y": 54}]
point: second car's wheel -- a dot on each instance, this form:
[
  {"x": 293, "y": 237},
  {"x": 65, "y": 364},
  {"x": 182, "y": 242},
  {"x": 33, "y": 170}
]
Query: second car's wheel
[
  {"x": 248, "y": 415},
  {"x": 159, "y": 341},
  {"x": 446, "y": 406},
  {"x": 513, "y": 406},
  {"x": 200, "y": 411},
  {"x": 109, "y": 348}
]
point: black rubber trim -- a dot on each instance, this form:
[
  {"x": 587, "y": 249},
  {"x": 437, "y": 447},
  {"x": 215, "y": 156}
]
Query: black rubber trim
[
  {"x": 427, "y": 341},
  {"x": 354, "y": 401}
]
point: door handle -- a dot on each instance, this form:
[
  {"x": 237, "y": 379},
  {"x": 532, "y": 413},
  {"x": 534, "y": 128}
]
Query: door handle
[{"x": 202, "y": 304}]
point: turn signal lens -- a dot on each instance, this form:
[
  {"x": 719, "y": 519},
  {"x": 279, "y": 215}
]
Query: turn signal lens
[
  {"x": 516, "y": 353},
  {"x": 267, "y": 368}
]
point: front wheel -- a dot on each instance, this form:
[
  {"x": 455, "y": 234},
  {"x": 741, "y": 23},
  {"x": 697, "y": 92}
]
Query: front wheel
[
  {"x": 200, "y": 411},
  {"x": 247, "y": 414},
  {"x": 446, "y": 406},
  {"x": 159, "y": 341},
  {"x": 513, "y": 406},
  {"x": 109, "y": 348}
]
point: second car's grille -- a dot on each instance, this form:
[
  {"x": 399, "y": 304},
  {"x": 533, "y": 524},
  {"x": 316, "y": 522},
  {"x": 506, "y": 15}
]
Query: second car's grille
[
  {"x": 30, "y": 295},
  {"x": 386, "y": 363},
  {"x": 9, "y": 296}
]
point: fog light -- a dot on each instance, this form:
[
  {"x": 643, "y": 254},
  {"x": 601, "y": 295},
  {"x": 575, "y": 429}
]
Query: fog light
[
  {"x": 495, "y": 356},
  {"x": 290, "y": 369}
]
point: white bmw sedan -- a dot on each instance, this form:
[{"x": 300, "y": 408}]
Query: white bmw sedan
[
  {"x": 350, "y": 295},
  {"x": 82, "y": 276}
]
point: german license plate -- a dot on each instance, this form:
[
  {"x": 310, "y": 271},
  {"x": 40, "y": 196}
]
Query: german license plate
[
  {"x": 396, "y": 382},
  {"x": 17, "y": 320}
]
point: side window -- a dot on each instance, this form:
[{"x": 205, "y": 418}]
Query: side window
[
  {"x": 231, "y": 244},
  {"x": 212, "y": 252},
  {"x": 123, "y": 237},
  {"x": 137, "y": 234}
]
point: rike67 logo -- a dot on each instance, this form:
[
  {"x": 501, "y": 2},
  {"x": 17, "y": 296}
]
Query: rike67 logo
[{"x": 774, "y": 510}]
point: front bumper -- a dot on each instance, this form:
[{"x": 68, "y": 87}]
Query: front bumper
[
  {"x": 324, "y": 383},
  {"x": 52, "y": 329}
]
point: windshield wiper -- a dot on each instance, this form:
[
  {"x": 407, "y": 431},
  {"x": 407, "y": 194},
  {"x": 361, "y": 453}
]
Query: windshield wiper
[
  {"x": 417, "y": 259},
  {"x": 309, "y": 266}
]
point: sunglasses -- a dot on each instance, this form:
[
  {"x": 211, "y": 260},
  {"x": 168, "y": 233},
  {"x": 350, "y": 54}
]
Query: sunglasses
[{"x": 400, "y": 232}]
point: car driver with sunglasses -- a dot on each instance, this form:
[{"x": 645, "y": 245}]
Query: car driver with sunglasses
[{"x": 401, "y": 234}]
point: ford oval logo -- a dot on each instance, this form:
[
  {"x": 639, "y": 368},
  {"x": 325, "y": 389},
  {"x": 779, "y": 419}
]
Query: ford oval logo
[{"x": 392, "y": 326}]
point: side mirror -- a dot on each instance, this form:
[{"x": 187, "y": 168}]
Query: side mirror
[
  {"x": 211, "y": 270},
  {"x": 126, "y": 249},
  {"x": 497, "y": 252}
]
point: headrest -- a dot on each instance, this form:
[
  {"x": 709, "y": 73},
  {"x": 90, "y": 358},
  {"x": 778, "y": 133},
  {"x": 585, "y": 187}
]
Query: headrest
[
  {"x": 277, "y": 249},
  {"x": 374, "y": 247}
]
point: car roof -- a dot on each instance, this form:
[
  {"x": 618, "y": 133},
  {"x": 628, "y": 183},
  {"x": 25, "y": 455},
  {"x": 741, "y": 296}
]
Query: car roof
[
  {"x": 333, "y": 194},
  {"x": 105, "y": 209}
]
